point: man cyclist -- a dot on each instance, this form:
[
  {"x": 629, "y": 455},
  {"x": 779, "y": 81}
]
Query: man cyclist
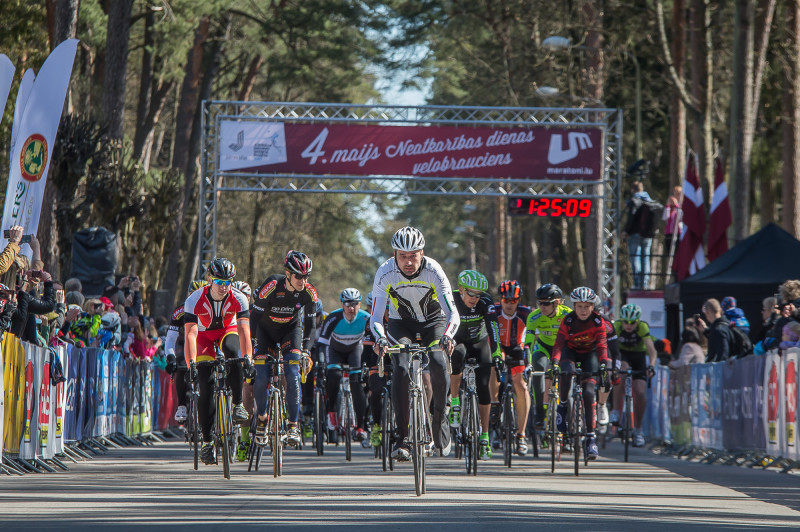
[
  {"x": 476, "y": 337},
  {"x": 307, "y": 388},
  {"x": 420, "y": 302},
  {"x": 541, "y": 330},
  {"x": 341, "y": 338},
  {"x": 613, "y": 353},
  {"x": 173, "y": 347},
  {"x": 581, "y": 338},
  {"x": 284, "y": 306},
  {"x": 217, "y": 316},
  {"x": 511, "y": 319},
  {"x": 635, "y": 347},
  {"x": 247, "y": 387}
]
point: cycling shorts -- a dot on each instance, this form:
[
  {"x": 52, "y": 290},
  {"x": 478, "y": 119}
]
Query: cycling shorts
[
  {"x": 588, "y": 361},
  {"x": 208, "y": 338},
  {"x": 637, "y": 361},
  {"x": 515, "y": 356},
  {"x": 268, "y": 340}
]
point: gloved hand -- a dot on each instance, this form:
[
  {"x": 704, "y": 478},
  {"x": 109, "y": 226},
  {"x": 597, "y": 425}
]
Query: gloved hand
[
  {"x": 249, "y": 368},
  {"x": 554, "y": 371},
  {"x": 651, "y": 371},
  {"x": 381, "y": 345},
  {"x": 447, "y": 344},
  {"x": 193, "y": 371},
  {"x": 605, "y": 379},
  {"x": 498, "y": 363},
  {"x": 172, "y": 364}
]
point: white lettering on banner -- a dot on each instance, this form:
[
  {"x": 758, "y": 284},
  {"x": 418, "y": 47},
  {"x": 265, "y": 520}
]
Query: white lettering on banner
[
  {"x": 748, "y": 403},
  {"x": 498, "y": 138},
  {"x": 409, "y": 147},
  {"x": 367, "y": 153},
  {"x": 451, "y": 163},
  {"x": 314, "y": 150}
]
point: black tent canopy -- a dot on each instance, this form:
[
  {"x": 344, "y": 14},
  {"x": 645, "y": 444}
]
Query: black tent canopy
[{"x": 750, "y": 271}]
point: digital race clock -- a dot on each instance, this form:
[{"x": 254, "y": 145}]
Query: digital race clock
[{"x": 570, "y": 207}]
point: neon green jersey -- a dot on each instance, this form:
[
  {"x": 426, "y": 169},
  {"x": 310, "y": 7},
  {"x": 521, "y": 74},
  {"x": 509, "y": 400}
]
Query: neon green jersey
[
  {"x": 543, "y": 329},
  {"x": 634, "y": 340}
]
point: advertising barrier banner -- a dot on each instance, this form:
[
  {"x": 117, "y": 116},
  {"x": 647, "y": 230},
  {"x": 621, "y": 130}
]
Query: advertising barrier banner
[
  {"x": 789, "y": 395},
  {"x": 102, "y": 423},
  {"x": 772, "y": 407},
  {"x": 528, "y": 152},
  {"x": 707, "y": 405},
  {"x": 680, "y": 394},
  {"x": 657, "y": 415},
  {"x": 90, "y": 397}
]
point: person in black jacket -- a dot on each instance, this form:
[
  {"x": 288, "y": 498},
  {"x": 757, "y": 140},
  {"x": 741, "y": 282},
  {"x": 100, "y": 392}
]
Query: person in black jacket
[
  {"x": 718, "y": 333},
  {"x": 23, "y": 321}
]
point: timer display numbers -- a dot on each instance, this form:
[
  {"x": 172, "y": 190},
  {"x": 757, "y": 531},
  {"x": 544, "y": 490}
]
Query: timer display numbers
[{"x": 550, "y": 207}]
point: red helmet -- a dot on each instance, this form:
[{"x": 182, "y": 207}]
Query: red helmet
[
  {"x": 510, "y": 290},
  {"x": 298, "y": 262}
]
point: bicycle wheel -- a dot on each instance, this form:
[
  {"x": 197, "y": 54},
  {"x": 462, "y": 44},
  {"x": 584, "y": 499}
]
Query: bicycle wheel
[
  {"x": 627, "y": 423},
  {"x": 576, "y": 423},
  {"x": 222, "y": 434},
  {"x": 195, "y": 431},
  {"x": 319, "y": 422},
  {"x": 552, "y": 433},
  {"x": 347, "y": 426},
  {"x": 508, "y": 427},
  {"x": 276, "y": 423},
  {"x": 534, "y": 435},
  {"x": 418, "y": 453},
  {"x": 475, "y": 432},
  {"x": 386, "y": 436}
]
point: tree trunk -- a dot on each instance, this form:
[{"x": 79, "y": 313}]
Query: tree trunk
[
  {"x": 145, "y": 86},
  {"x": 677, "y": 129},
  {"x": 116, "y": 64},
  {"x": 250, "y": 78},
  {"x": 791, "y": 122},
  {"x": 183, "y": 131},
  {"x": 742, "y": 118},
  {"x": 701, "y": 87}
]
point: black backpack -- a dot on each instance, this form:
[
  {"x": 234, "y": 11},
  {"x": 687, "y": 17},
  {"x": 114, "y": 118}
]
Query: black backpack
[
  {"x": 740, "y": 345},
  {"x": 646, "y": 216}
]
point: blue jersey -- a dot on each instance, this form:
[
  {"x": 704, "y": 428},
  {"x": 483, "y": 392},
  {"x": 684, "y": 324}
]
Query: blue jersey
[{"x": 343, "y": 335}]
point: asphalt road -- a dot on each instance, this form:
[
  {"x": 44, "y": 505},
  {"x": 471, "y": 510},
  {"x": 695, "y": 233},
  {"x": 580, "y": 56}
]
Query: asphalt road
[{"x": 135, "y": 488}]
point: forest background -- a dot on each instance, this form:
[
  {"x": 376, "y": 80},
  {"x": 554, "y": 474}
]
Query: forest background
[{"x": 718, "y": 77}]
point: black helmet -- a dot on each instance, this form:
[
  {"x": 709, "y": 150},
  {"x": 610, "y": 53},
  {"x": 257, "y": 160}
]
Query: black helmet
[
  {"x": 298, "y": 262},
  {"x": 222, "y": 269},
  {"x": 548, "y": 292}
]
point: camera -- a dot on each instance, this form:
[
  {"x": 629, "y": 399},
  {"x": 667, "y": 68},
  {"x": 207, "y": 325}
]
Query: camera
[{"x": 24, "y": 240}]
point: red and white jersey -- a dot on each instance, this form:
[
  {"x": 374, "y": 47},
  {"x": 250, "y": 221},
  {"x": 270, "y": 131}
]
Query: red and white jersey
[{"x": 210, "y": 315}]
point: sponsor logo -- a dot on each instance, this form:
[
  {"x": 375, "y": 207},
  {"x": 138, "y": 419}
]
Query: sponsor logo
[
  {"x": 178, "y": 314},
  {"x": 558, "y": 154},
  {"x": 265, "y": 291},
  {"x": 239, "y": 144},
  {"x": 33, "y": 158}
]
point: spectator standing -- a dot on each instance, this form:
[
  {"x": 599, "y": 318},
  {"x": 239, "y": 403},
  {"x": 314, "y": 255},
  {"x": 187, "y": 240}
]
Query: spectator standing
[
  {"x": 769, "y": 315},
  {"x": 11, "y": 251},
  {"x": 691, "y": 348},
  {"x": 671, "y": 210},
  {"x": 718, "y": 332},
  {"x": 639, "y": 230},
  {"x": 735, "y": 315}
]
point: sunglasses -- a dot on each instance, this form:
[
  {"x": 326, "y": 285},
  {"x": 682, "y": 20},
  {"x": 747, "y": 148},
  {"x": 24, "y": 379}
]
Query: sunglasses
[
  {"x": 472, "y": 294},
  {"x": 300, "y": 277},
  {"x": 509, "y": 299},
  {"x": 630, "y": 322},
  {"x": 545, "y": 303},
  {"x": 221, "y": 282},
  {"x": 351, "y": 304}
]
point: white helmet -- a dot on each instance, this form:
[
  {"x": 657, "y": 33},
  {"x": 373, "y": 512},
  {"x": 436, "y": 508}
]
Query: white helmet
[
  {"x": 243, "y": 287},
  {"x": 408, "y": 239},
  {"x": 583, "y": 294}
]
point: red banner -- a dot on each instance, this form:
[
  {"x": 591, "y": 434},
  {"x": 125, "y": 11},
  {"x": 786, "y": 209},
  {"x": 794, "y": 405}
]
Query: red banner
[{"x": 422, "y": 151}]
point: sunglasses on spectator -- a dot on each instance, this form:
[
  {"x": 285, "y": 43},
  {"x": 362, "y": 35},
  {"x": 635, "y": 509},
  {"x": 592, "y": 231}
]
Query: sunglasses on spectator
[
  {"x": 545, "y": 303},
  {"x": 221, "y": 282},
  {"x": 300, "y": 277},
  {"x": 509, "y": 299},
  {"x": 470, "y": 293}
]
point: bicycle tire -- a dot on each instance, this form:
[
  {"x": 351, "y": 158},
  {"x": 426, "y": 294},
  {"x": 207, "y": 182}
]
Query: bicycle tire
[
  {"x": 233, "y": 430},
  {"x": 508, "y": 427},
  {"x": 466, "y": 434},
  {"x": 275, "y": 437},
  {"x": 577, "y": 431},
  {"x": 386, "y": 436},
  {"x": 222, "y": 429},
  {"x": 427, "y": 438},
  {"x": 319, "y": 422},
  {"x": 195, "y": 431},
  {"x": 347, "y": 420},
  {"x": 475, "y": 425},
  {"x": 552, "y": 433},
  {"x": 626, "y": 424},
  {"x": 418, "y": 456}
]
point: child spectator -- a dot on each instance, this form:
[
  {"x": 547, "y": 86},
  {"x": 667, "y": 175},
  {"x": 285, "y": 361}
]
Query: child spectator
[
  {"x": 791, "y": 335},
  {"x": 735, "y": 315}
]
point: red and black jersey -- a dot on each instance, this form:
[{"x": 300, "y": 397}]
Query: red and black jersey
[
  {"x": 582, "y": 336},
  {"x": 512, "y": 329},
  {"x": 210, "y": 314},
  {"x": 277, "y": 307},
  {"x": 176, "y": 324}
]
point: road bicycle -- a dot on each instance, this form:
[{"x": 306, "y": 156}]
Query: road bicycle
[
  {"x": 552, "y": 434},
  {"x": 388, "y": 431},
  {"x": 626, "y": 420},
  {"x": 467, "y": 435},
  {"x": 345, "y": 411},
  {"x": 420, "y": 432},
  {"x": 192, "y": 428},
  {"x": 508, "y": 414},
  {"x": 320, "y": 423},
  {"x": 577, "y": 432}
]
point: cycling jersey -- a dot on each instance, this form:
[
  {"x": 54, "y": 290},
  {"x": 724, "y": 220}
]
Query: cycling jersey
[
  {"x": 477, "y": 322},
  {"x": 278, "y": 309},
  {"x": 634, "y": 340},
  {"x": 211, "y": 315},
  {"x": 424, "y": 297},
  {"x": 543, "y": 328},
  {"x": 513, "y": 329},
  {"x": 343, "y": 335},
  {"x": 175, "y": 331},
  {"x": 581, "y": 336}
]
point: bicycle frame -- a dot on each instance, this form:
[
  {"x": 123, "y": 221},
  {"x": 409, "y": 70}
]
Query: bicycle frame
[{"x": 470, "y": 419}]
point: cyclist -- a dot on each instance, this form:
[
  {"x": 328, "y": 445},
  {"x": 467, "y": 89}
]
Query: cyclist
[
  {"x": 307, "y": 389},
  {"x": 421, "y": 302},
  {"x": 217, "y": 315},
  {"x": 581, "y": 338},
  {"x": 541, "y": 330},
  {"x": 511, "y": 319},
  {"x": 613, "y": 351},
  {"x": 284, "y": 312},
  {"x": 173, "y": 346},
  {"x": 476, "y": 337},
  {"x": 247, "y": 387},
  {"x": 375, "y": 382},
  {"x": 341, "y": 338},
  {"x": 635, "y": 347}
]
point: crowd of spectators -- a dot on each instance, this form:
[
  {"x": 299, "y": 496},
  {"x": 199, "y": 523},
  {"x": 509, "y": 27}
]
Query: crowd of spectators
[{"x": 43, "y": 311}]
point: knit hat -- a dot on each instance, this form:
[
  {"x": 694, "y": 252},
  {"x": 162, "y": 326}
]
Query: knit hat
[
  {"x": 792, "y": 331},
  {"x": 728, "y": 303}
]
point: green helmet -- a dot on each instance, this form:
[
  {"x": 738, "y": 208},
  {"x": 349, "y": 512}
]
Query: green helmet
[
  {"x": 472, "y": 280},
  {"x": 630, "y": 312}
]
